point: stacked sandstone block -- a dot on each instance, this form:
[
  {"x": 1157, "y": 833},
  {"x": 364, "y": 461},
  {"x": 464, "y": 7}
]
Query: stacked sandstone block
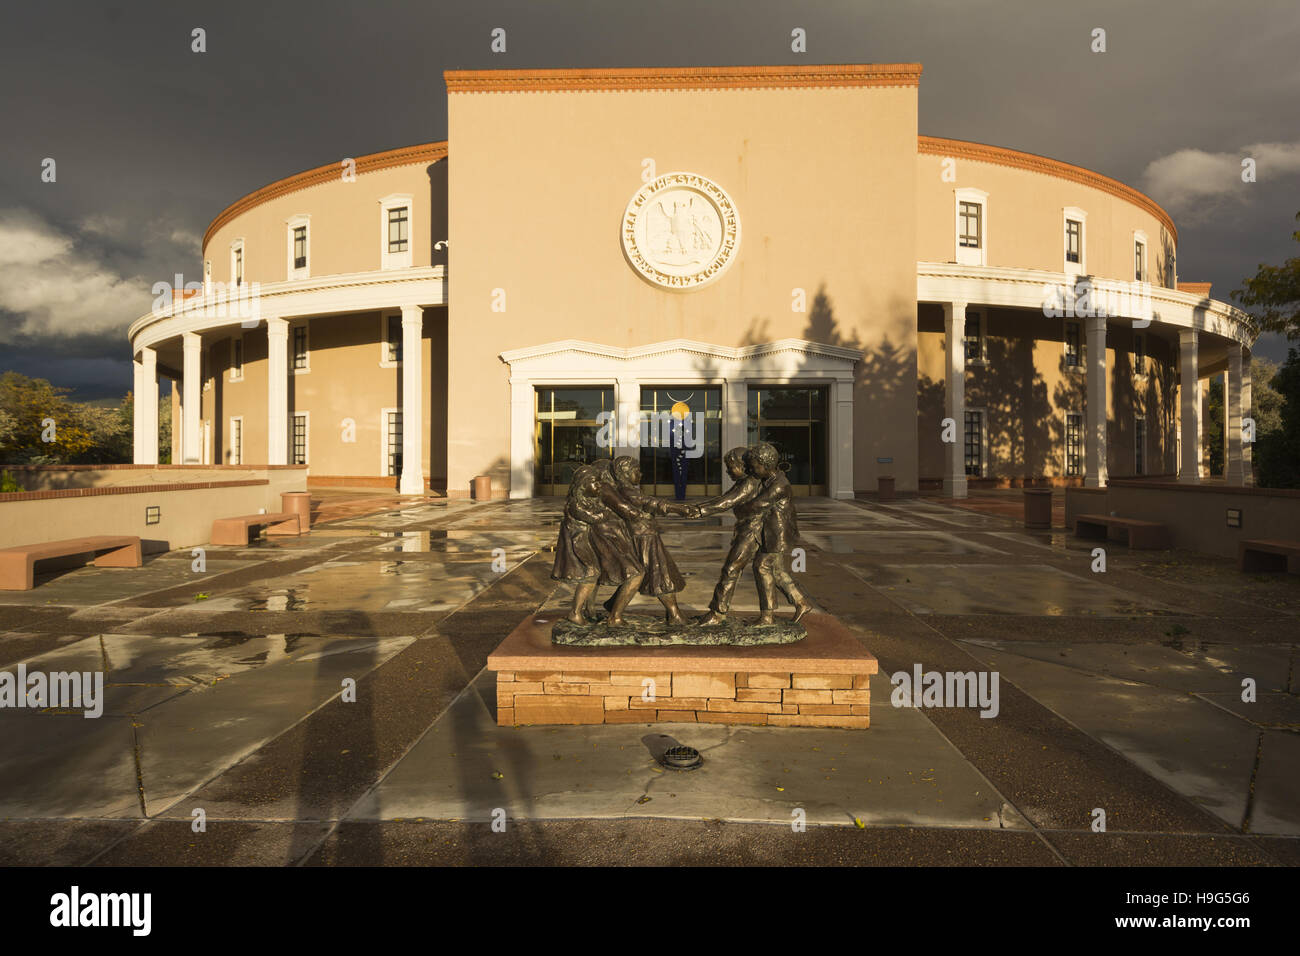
[{"x": 620, "y": 697}]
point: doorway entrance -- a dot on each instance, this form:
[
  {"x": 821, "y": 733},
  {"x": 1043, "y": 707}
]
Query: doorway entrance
[
  {"x": 565, "y": 431},
  {"x": 795, "y": 421}
]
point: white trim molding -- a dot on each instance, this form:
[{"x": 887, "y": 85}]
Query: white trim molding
[
  {"x": 238, "y": 261},
  {"x": 683, "y": 361},
  {"x": 965, "y": 255}
]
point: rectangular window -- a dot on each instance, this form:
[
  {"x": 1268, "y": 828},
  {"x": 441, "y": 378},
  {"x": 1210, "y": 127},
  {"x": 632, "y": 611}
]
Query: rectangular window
[
  {"x": 300, "y": 347},
  {"x": 236, "y": 358},
  {"x": 395, "y": 444},
  {"x": 971, "y": 235},
  {"x": 239, "y": 265},
  {"x": 1073, "y": 240},
  {"x": 1072, "y": 353},
  {"x": 975, "y": 444},
  {"x": 1073, "y": 444},
  {"x": 1139, "y": 261},
  {"x": 1140, "y": 446},
  {"x": 394, "y": 338},
  {"x": 299, "y": 440},
  {"x": 397, "y": 239},
  {"x": 974, "y": 339},
  {"x": 1139, "y": 354},
  {"x": 236, "y": 441},
  {"x": 300, "y": 247}
]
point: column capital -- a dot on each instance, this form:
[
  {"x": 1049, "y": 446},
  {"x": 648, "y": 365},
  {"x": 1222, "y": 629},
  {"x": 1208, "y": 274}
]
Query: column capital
[
  {"x": 191, "y": 340},
  {"x": 1187, "y": 336},
  {"x": 955, "y": 307},
  {"x": 412, "y": 313},
  {"x": 277, "y": 326},
  {"x": 1097, "y": 324}
]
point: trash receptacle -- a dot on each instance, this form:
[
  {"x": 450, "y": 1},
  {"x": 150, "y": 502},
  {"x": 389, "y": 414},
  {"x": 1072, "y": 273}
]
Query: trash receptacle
[
  {"x": 1038, "y": 508},
  {"x": 481, "y": 488},
  {"x": 299, "y": 503},
  {"x": 885, "y": 487}
]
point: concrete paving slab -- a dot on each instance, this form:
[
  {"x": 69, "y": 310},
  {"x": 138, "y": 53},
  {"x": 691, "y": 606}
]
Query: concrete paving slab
[
  {"x": 89, "y": 586},
  {"x": 1276, "y": 808},
  {"x": 1196, "y": 749},
  {"x": 1036, "y": 589},
  {"x": 1194, "y": 667},
  {"x": 900, "y": 772},
  {"x": 895, "y": 542},
  {"x": 58, "y": 842},
  {"x": 191, "y": 739},
  {"x": 67, "y": 766}
]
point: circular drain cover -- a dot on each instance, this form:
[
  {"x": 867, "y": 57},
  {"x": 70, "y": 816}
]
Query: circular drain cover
[{"x": 682, "y": 758}]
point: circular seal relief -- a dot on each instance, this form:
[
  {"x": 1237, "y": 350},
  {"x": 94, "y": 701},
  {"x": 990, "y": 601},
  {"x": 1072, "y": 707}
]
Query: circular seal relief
[{"x": 681, "y": 231}]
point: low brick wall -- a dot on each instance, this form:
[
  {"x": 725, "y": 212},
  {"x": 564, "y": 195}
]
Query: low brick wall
[{"x": 619, "y": 697}]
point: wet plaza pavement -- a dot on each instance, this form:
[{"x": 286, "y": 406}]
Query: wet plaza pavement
[{"x": 324, "y": 700}]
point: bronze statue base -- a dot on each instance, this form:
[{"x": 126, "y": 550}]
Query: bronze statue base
[{"x": 642, "y": 631}]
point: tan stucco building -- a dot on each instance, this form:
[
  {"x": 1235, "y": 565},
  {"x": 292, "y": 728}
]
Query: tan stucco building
[{"x": 775, "y": 247}]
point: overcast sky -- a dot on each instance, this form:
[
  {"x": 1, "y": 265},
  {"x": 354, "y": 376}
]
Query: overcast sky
[{"x": 152, "y": 140}]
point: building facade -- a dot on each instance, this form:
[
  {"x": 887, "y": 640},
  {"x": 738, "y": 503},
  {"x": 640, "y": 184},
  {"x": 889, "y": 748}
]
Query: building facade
[{"x": 669, "y": 263}]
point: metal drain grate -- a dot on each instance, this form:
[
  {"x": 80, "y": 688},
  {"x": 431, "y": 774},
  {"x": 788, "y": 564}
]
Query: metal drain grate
[{"x": 682, "y": 758}]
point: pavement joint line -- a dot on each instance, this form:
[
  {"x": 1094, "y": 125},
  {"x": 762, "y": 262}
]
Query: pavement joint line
[
  {"x": 1284, "y": 728},
  {"x": 468, "y": 688},
  {"x": 1039, "y": 703},
  {"x": 1250, "y": 790}
]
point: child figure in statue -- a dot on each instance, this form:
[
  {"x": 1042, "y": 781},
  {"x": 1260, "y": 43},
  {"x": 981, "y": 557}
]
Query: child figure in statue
[
  {"x": 576, "y": 560},
  {"x": 616, "y": 553},
  {"x": 662, "y": 579}
]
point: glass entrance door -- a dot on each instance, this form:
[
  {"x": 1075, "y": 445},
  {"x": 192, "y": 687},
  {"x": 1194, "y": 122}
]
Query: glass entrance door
[
  {"x": 702, "y": 460},
  {"x": 565, "y": 434},
  {"x": 795, "y": 421}
]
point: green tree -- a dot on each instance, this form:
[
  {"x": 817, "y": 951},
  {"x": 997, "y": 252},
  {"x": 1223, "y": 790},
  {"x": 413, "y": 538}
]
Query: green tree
[
  {"x": 1277, "y": 452},
  {"x": 1275, "y": 291},
  {"x": 1212, "y": 427}
]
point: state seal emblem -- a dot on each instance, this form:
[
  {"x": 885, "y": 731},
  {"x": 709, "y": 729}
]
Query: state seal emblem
[{"x": 680, "y": 231}]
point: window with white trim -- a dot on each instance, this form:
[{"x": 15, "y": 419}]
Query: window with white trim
[
  {"x": 392, "y": 425},
  {"x": 300, "y": 351},
  {"x": 976, "y": 443},
  {"x": 1139, "y": 256},
  {"x": 237, "y": 263},
  {"x": 974, "y": 338},
  {"x": 1139, "y": 353},
  {"x": 971, "y": 227},
  {"x": 236, "y": 358},
  {"x": 236, "y": 440},
  {"x": 1073, "y": 344},
  {"x": 1073, "y": 444},
  {"x": 298, "y": 445},
  {"x": 1075, "y": 241},
  {"x": 298, "y": 239},
  {"x": 396, "y": 224}
]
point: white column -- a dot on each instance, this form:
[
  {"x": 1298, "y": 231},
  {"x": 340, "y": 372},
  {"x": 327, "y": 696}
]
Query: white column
[
  {"x": 523, "y": 419},
  {"x": 191, "y": 432},
  {"x": 735, "y": 409},
  {"x": 412, "y": 480},
  {"x": 146, "y": 408},
  {"x": 842, "y": 440},
  {"x": 954, "y": 327},
  {"x": 277, "y": 391},
  {"x": 1232, "y": 469},
  {"x": 1189, "y": 402},
  {"x": 1095, "y": 470},
  {"x": 1247, "y": 410}
]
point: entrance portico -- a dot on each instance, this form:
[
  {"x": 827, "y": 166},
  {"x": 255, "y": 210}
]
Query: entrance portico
[{"x": 738, "y": 372}]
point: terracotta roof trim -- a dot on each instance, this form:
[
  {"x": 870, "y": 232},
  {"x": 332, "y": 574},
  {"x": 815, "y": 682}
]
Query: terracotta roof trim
[
  {"x": 372, "y": 162},
  {"x": 683, "y": 78},
  {"x": 1001, "y": 156}
]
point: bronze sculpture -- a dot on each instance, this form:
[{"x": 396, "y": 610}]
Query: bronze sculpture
[{"x": 609, "y": 536}]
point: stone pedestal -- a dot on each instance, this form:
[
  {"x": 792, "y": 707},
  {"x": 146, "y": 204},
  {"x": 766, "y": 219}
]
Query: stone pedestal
[{"x": 822, "y": 681}]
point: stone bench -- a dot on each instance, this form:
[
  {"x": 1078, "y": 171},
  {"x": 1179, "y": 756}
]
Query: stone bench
[
  {"x": 1142, "y": 535},
  {"x": 18, "y": 565},
  {"x": 1259, "y": 554},
  {"x": 238, "y": 531}
]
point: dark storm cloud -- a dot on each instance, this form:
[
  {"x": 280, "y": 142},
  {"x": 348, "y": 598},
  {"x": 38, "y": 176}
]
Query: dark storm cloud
[{"x": 152, "y": 140}]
